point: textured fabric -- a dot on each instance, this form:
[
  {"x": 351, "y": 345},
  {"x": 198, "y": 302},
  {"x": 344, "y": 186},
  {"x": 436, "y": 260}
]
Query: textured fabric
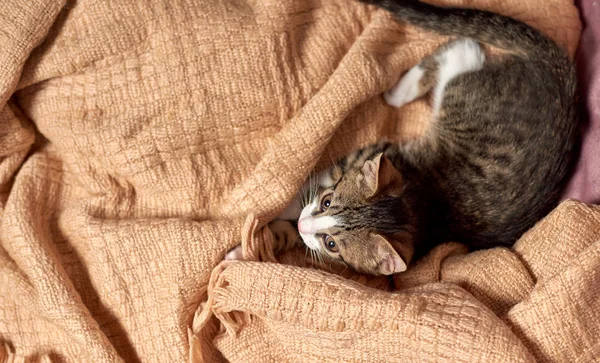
[
  {"x": 141, "y": 140},
  {"x": 539, "y": 302},
  {"x": 585, "y": 182}
]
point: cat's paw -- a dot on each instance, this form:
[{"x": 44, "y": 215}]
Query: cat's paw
[
  {"x": 407, "y": 89},
  {"x": 235, "y": 254},
  {"x": 285, "y": 234}
]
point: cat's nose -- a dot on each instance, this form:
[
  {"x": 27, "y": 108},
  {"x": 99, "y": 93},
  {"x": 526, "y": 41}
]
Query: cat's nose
[{"x": 305, "y": 225}]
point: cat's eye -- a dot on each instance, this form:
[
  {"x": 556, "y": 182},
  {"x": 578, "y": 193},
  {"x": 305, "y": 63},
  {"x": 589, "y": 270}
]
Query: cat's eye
[
  {"x": 325, "y": 202},
  {"x": 330, "y": 244}
]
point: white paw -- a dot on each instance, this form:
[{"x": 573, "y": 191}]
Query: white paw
[
  {"x": 407, "y": 89},
  {"x": 235, "y": 254}
]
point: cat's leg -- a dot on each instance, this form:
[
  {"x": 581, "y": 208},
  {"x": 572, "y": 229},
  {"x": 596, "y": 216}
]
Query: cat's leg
[
  {"x": 413, "y": 84},
  {"x": 284, "y": 233},
  {"x": 455, "y": 58},
  {"x": 450, "y": 60}
]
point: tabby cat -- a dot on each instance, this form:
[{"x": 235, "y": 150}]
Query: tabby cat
[{"x": 491, "y": 163}]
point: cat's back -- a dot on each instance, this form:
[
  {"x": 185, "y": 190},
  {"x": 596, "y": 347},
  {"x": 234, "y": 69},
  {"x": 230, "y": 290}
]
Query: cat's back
[
  {"x": 505, "y": 137},
  {"x": 498, "y": 152}
]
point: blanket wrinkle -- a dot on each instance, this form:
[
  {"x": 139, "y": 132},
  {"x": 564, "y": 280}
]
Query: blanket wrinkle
[
  {"x": 257, "y": 242},
  {"x": 7, "y": 355},
  {"x": 142, "y": 140}
]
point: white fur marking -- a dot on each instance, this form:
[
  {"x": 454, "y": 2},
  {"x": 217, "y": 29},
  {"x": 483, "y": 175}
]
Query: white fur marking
[
  {"x": 309, "y": 240},
  {"x": 325, "y": 223},
  {"x": 306, "y": 211},
  {"x": 407, "y": 89},
  {"x": 462, "y": 57},
  {"x": 312, "y": 225}
]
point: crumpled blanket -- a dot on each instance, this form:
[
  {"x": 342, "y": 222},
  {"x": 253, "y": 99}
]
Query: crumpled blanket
[{"x": 141, "y": 140}]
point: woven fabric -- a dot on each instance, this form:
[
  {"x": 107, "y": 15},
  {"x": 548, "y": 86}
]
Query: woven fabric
[{"x": 141, "y": 140}]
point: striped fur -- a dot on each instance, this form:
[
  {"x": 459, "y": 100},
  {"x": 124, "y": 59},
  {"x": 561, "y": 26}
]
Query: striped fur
[{"x": 490, "y": 165}]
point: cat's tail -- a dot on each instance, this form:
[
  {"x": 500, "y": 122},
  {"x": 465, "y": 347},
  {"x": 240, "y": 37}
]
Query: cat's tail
[{"x": 483, "y": 26}]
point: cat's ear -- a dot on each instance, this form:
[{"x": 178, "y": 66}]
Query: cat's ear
[
  {"x": 390, "y": 261},
  {"x": 381, "y": 175}
]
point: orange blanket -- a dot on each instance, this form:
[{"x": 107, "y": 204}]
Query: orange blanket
[{"x": 141, "y": 140}]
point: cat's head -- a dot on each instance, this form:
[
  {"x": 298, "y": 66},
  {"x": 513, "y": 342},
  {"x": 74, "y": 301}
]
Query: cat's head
[{"x": 361, "y": 218}]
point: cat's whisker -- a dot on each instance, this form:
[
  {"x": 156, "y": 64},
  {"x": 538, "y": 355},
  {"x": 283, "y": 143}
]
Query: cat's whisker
[
  {"x": 333, "y": 163},
  {"x": 311, "y": 182},
  {"x": 306, "y": 195},
  {"x": 344, "y": 270},
  {"x": 320, "y": 257},
  {"x": 303, "y": 196}
]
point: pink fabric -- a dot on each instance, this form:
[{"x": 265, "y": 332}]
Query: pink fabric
[{"x": 585, "y": 182}]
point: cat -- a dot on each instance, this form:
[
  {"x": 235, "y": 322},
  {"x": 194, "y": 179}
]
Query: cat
[{"x": 492, "y": 162}]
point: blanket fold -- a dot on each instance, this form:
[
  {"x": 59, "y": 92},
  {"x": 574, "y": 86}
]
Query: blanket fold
[
  {"x": 141, "y": 140},
  {"x": 488, "y": 306}
]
